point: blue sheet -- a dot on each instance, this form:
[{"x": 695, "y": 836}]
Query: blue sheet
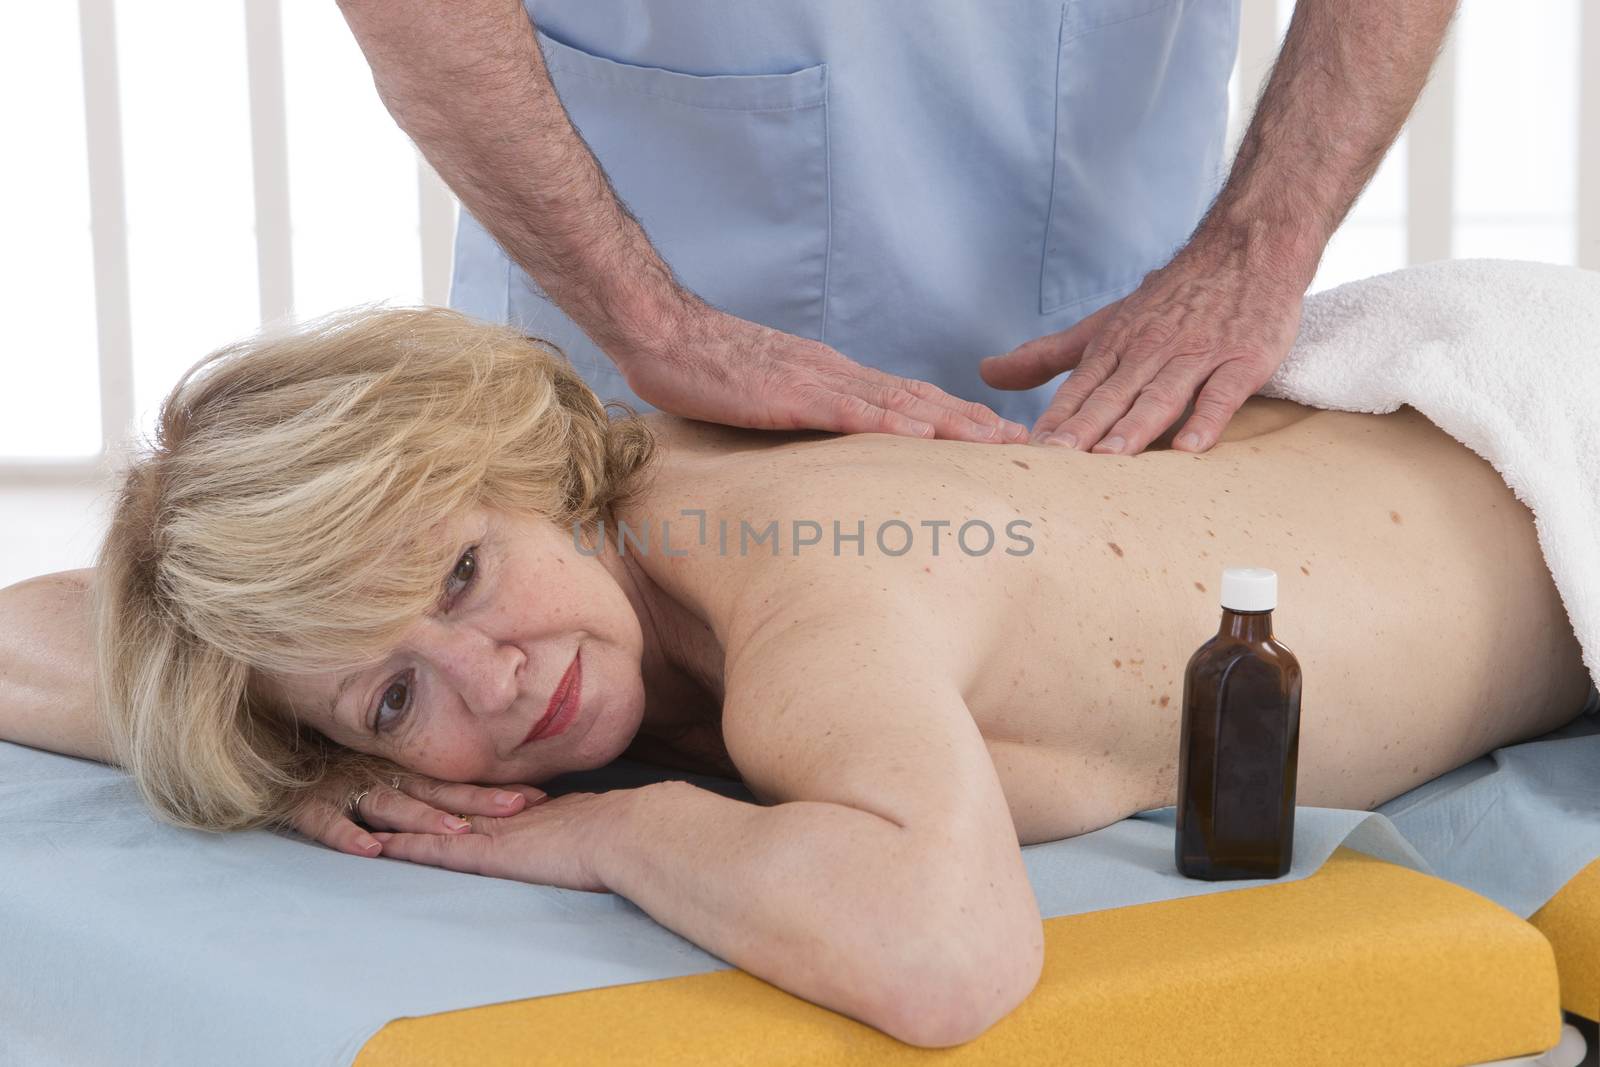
[{"x": 128, "y": 941}]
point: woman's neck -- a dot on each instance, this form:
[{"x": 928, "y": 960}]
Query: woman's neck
[{"x": 682, "y": 659}]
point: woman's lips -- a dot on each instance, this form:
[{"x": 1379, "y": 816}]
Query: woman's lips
[{"x": 563, "y": 703}]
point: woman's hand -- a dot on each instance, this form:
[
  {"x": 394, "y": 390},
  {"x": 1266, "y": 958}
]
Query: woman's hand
[
  {"x": 552, "y": 843},
  {"x": 413, "y": 803}
]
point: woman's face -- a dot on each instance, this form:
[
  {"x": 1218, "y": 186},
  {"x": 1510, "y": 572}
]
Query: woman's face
[{"x": 459, "y": 696}]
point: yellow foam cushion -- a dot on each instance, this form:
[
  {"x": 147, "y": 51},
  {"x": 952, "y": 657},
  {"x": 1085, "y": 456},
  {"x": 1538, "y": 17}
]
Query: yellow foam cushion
[
  {"x": 1362, "y": 962},
  {"x": 1570, "y": 920}
]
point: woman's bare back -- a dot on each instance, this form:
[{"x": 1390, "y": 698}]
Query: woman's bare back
[{"x": 1411, "y": 588}]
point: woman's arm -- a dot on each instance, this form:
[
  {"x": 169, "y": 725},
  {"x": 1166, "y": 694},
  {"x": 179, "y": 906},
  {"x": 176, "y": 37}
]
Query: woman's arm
[
  {"x": 831, "y": 903},
  {"x": 884, "y": 881},
  {"x": 47, "y": 666},
  {"x": 828, "y": 902}
]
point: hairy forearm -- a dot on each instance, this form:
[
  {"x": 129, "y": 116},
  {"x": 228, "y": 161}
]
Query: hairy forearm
[
  {"x": 828, "y": 902},
  {"x": 467, "y": 82},
  {"x": 47, "y": 666},
  {"x": 1347, "y": 77}
]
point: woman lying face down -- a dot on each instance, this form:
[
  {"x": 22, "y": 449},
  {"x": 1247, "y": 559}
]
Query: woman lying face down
[{"x": 389, "y": 500}]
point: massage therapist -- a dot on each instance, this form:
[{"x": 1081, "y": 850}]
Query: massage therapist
[{"x": 824, "y": 213}]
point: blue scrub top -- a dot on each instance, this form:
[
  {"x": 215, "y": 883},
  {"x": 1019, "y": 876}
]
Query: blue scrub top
[{"x": 916, "y": 183}]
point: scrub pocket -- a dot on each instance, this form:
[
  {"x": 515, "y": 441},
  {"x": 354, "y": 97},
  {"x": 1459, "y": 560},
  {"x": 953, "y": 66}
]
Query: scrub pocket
[
  {"x": 727, "y": 173},
  {"x": 1141, "y": 118}
]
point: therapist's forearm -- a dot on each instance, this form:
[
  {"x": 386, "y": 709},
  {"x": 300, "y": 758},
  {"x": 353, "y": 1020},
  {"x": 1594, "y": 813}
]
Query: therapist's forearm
[
  {"x": 833, "y": 904},
  {"x": 47, "y": 666},
  {"x": 1349, "y": 73},
  {"x": 465, "y": 79}
]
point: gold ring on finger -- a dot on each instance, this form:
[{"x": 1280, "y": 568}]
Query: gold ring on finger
[{"x": 356, "y": 800}]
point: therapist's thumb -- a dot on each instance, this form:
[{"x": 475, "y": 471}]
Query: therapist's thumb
[{"x": 1041, "y": 359}]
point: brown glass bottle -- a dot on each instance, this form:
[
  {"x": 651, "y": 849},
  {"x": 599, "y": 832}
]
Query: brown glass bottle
[{"x": 1240, "y": 741}]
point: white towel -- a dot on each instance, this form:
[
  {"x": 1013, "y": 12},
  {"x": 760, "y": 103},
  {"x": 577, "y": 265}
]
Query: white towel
[{"x": 1502, "y": 355}]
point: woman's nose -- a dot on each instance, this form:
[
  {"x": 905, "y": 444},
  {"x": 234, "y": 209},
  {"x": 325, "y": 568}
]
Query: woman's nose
[{"x": 482, "y": 669}]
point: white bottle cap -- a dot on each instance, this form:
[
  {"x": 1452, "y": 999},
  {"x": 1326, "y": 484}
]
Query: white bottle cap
[{"x": 1249, "y": 588}]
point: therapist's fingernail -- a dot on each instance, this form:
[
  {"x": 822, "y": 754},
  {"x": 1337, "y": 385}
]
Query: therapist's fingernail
[
  {"x": 1190, "y": 441},
  {"x": 505, "y": 799},
  {"x": 366, "y": 844},
  {"x": 1110, "y": 444},
  {"x": 1066, "y": 440},
  {"x": 453, "y": 823}
]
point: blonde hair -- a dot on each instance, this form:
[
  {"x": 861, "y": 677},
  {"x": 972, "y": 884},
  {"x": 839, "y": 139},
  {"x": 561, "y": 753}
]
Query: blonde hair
[{"x": 280, "y": 524}]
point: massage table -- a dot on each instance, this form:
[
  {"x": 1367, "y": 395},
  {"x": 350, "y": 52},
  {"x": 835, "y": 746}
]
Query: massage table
[
  {"x": 1364, "y": 962},
  {"x": 1395, "y": 938}
]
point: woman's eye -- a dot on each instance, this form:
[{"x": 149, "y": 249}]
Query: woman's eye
[
  {"x": 393, "y": 704},
  {"x": 465, "y": 571}
]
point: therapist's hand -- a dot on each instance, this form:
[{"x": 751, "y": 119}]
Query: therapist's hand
[
  {"x": 717, "y": 367},
  {"x": 419, "y": 805},
  {"x": 1203, "y": 330}
]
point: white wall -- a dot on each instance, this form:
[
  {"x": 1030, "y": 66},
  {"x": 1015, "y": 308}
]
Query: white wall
[{"x": 172, "y": 198}]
